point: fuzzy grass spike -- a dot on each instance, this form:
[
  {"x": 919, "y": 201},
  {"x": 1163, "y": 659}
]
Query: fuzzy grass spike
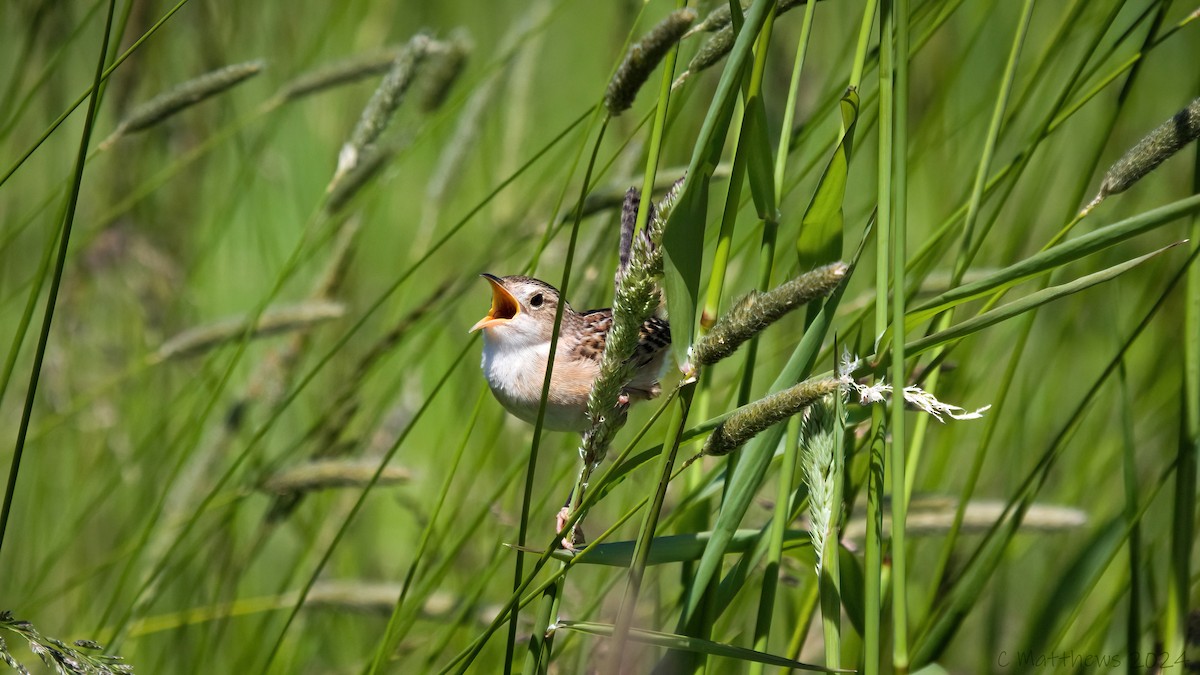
[
  {"x": 643, "y": 58},
  {"x": 345, "y": 71},
  {"x": 754, "y": 312},
  {"x": 766, "y": 412},
  {"x": 637, "y": 298},
  {"x": 1155, "y": 148},
  {"x": 383, "y": 104},
  {"x": 165, "y": 105}
]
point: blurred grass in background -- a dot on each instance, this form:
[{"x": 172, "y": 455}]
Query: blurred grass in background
[{"x": 139, "y": 516}]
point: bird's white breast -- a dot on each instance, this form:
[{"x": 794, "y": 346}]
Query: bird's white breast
[{"x": 515, "y": 371}]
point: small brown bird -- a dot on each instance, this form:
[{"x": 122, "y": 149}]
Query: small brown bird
[{"x": 516, "y": 348}]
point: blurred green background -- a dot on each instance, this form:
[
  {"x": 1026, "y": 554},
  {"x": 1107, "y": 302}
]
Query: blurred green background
[{"x": 139, "y": 517}]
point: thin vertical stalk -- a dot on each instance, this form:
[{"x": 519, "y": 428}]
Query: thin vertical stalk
[
  {"x": 875, "y": 470},
  {"x": 779, "y": 523},
  {"x": 989, "y": 145},
  {"x": 789, "y": 113},
  {"x": 873, "y": 574},
  {"x": 884, "y": 194},
  {"x": 1133, "y": 618},
  {"x": 641, "y": 552},
  {"x": 56, "y": 280},
  {"x": 899, "y": 259},
  {"x": 656, "y": 133},
  {"x": 537, "y": 657},
  {"x": 716, "y": 280},
  {"x": 995, "y": 126},
  {"x": 1183, "y": 517},
  {"x": 358, "y": 504},
  {"x": 95, "y": 87},
  {"x": 386, "y": 644},
  {"x": 864, "y": 41},
  {"x": 787, "y": 470},
  {"x": 527, "y": 498}
]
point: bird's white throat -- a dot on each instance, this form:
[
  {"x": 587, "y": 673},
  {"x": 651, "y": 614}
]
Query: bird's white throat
[{"x": 515, "y": 369}]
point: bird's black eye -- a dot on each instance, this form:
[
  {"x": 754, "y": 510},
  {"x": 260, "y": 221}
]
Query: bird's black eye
[{"x": 536, "y": 301}]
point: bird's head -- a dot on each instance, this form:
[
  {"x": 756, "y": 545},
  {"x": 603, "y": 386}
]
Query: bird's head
[{"x": 523, "y": 310}]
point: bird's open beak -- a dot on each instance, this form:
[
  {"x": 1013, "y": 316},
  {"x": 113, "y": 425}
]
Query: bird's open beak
[{"x": 504, "y": 306}]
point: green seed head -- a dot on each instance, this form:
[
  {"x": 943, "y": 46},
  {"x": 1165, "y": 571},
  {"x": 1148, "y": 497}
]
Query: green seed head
[
  {"x": 751, "y": 420},
  {"x": 184, "y": 96},
  {"x": 643, "y": 57},
  {"x": 754, "y": 312},
  {"x": 446, "y": 63},
  {"x": 1154, "y": 149},
  {"x": 341, "y": 72}
]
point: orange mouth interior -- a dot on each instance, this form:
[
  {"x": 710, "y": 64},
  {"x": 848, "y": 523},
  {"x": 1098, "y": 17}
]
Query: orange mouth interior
[{"x": 504, "y": 306}]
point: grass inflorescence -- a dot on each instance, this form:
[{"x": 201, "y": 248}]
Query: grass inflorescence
[
  {"x": 169, "y": 103},
  {"x": 1155, "y": 148},
  {"x": 643, "y": 57}
]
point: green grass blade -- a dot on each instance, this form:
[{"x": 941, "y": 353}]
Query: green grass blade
[
  {"x": 756, "y": 456},
  {"x": 683, "y": 240},
  {"x": 1187, "y": 458},
  {"x": 1075, "y": 583},
  {"x": 1052, "y": 258},
  {"x": 820, "y": 240},
  {"x": 64, "y": 240},
  {"x": 947, "y": 617},
  {"x": 691, "y": 644},
  {"x": 1027, "y": 303},
  {"x": 672, "y": 549},
  {"x": 84, "y": 96}
]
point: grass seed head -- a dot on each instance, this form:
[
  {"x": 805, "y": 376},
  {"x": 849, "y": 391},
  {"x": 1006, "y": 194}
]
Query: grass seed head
[
  {"x": 642, "y": 59},
  {"x": 754, "y": 312},
  {"x": 364, "y": 168},
  {"x": 752, "y": 419},
  {"x": 1155, "y": 148},
  {"x": 822, "y": 468},
  {"x": 345, "y": 71},
  {"x": 272, "y": 321},
  {"x": 330, "y": 474},
  {"x": 184, "y": 96},
  {"x": 382, "y": 107},
  {"x": 711, "y": 52},
  {"x": 636, "y": 299},
  {"x": 447, "y": 61}
]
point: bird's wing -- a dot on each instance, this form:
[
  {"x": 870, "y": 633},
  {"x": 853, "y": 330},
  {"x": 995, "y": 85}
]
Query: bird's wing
[{"x": 654, "y": 337}]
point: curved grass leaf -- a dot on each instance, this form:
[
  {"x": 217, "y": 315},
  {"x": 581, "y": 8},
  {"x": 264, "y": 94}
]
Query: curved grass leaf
[
  {"x": 1048, "y": 260},
  {"x": 1075, "y": 584},
  {"x": 820, "y": 240},
  {"x": 1031, "y": 301}
]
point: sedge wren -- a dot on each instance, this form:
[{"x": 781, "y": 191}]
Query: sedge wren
[{"x": 516, "y": 348}]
